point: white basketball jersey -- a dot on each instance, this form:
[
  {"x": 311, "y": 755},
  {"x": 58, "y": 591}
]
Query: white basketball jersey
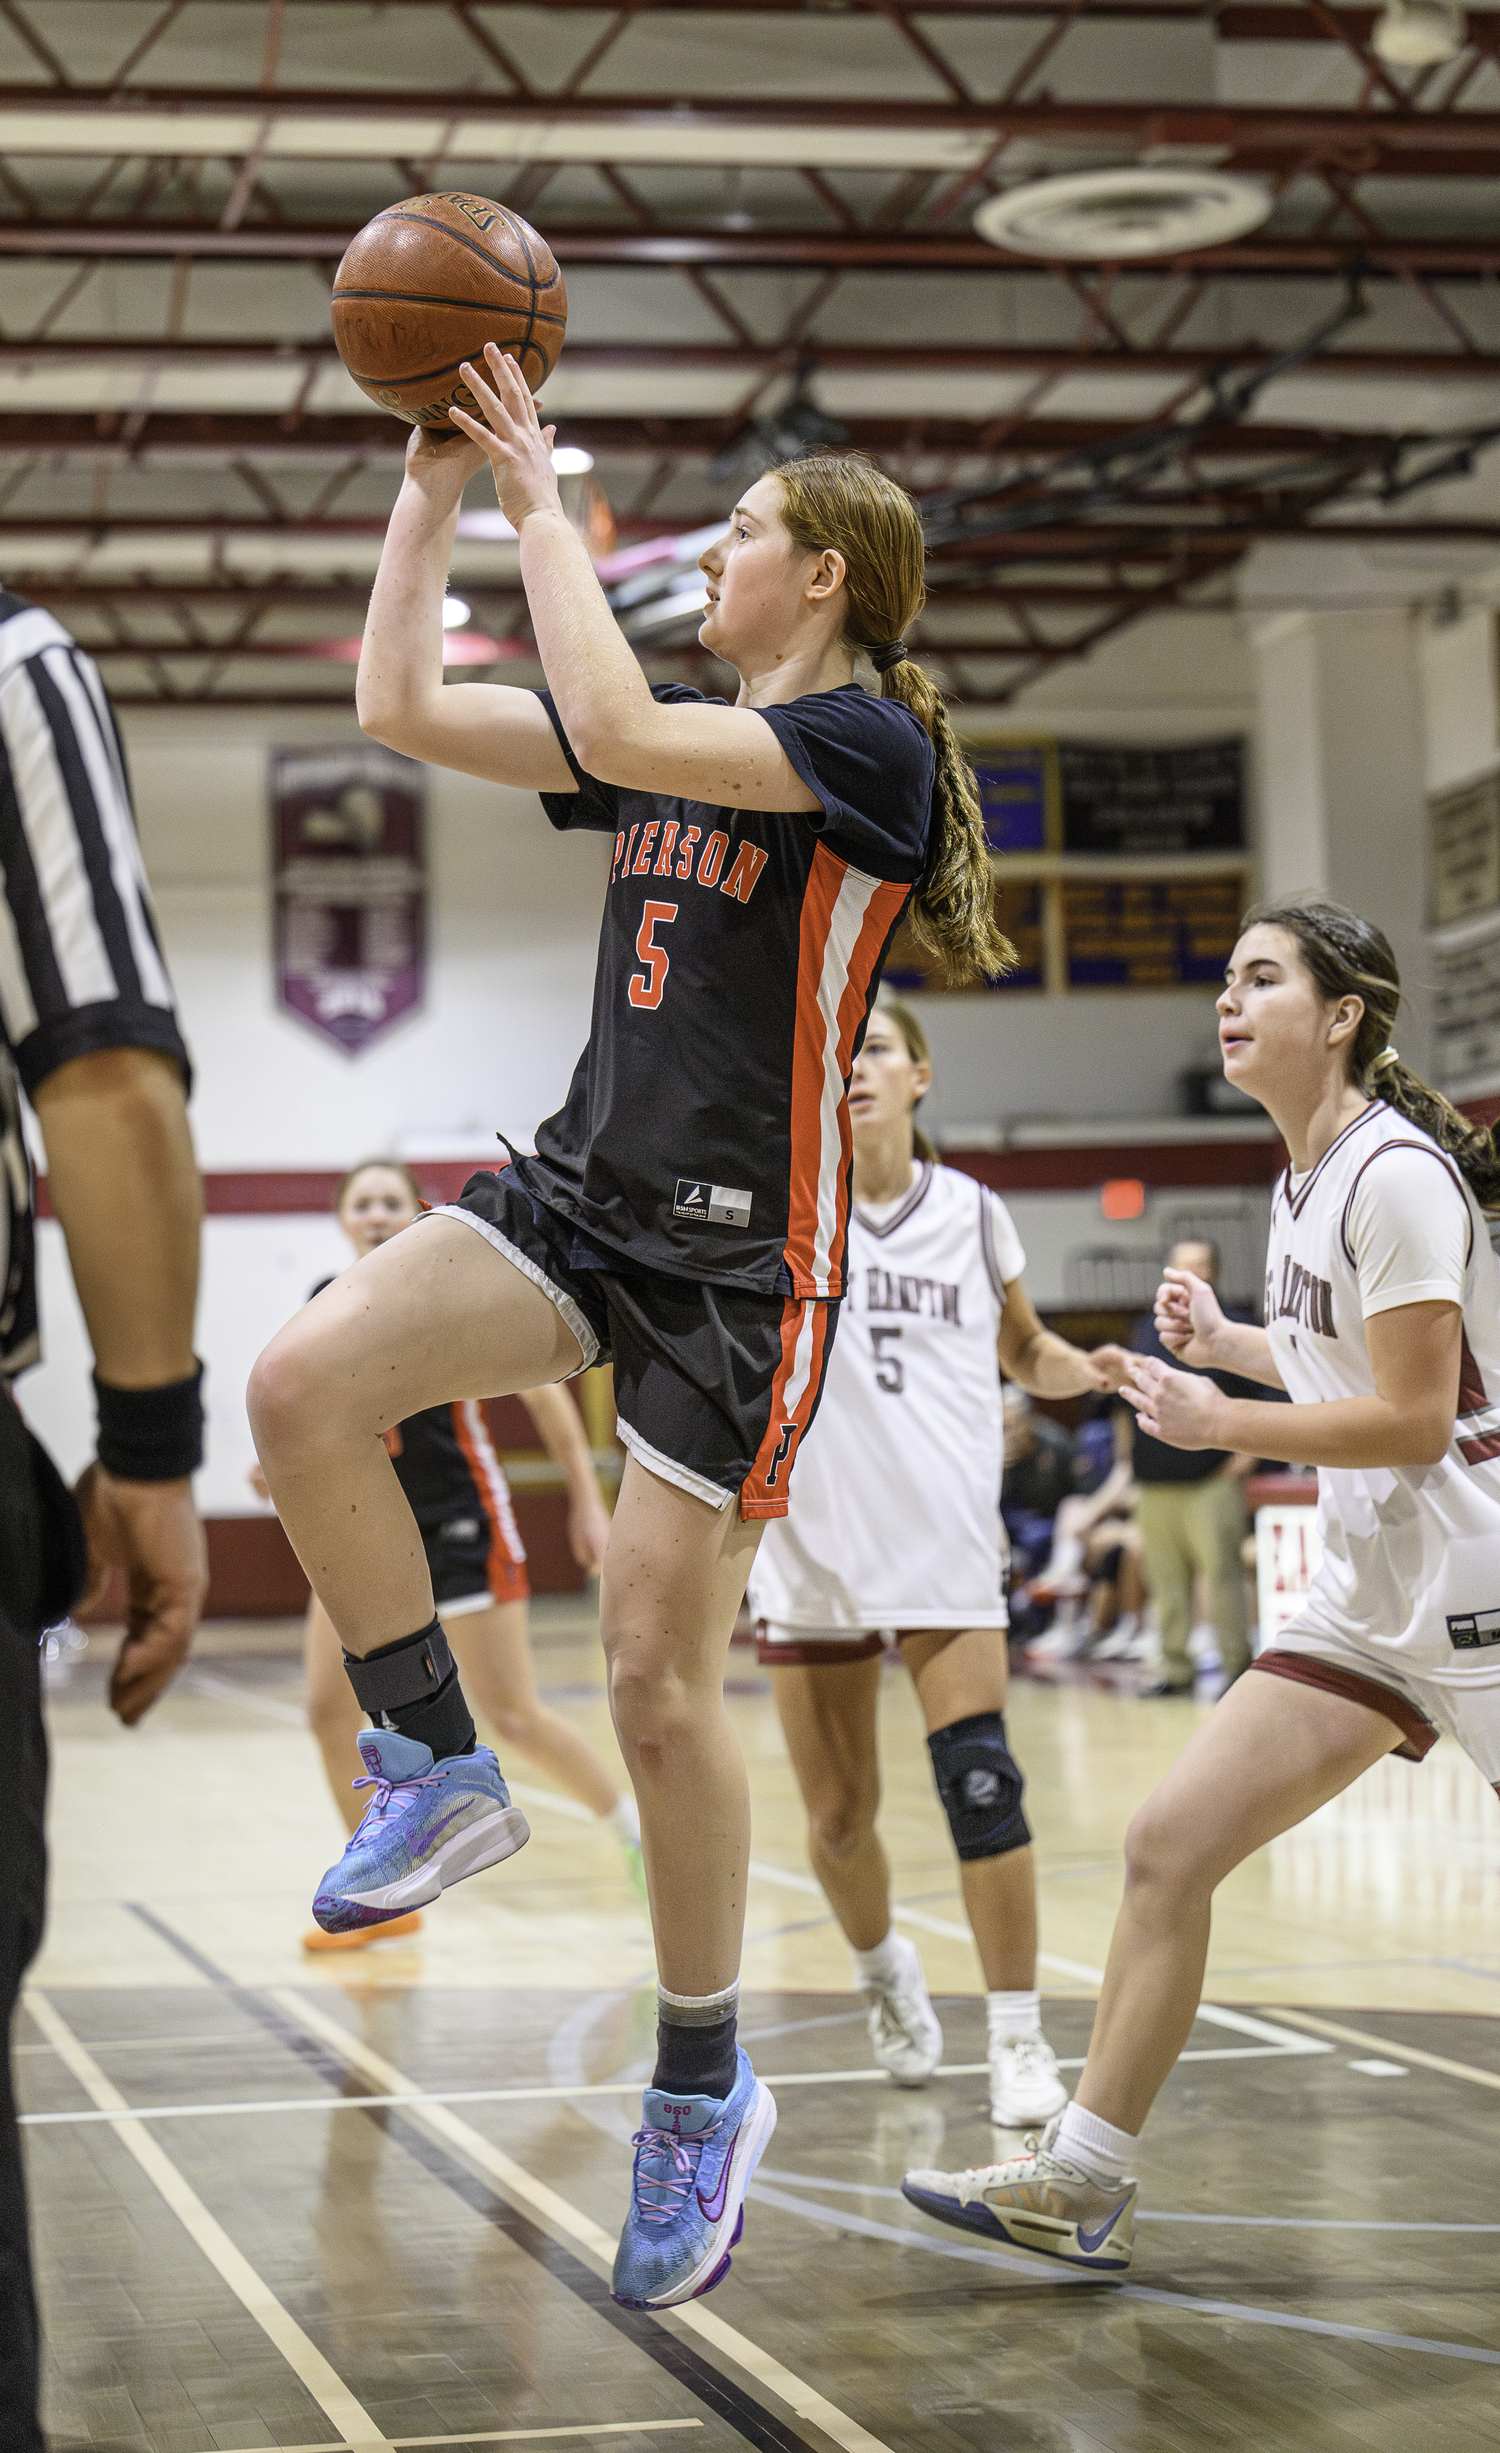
[
  {"x": 1411, "y": 1556},
  {"x": 895, "y": 1510}
]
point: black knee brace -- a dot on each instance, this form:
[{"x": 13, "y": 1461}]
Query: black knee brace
[
  {"x": 980, "y": 1784},
  {"x": 410, "y": 1671}
]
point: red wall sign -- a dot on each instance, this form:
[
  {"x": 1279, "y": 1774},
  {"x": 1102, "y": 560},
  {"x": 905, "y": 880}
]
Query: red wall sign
[{"x": 349, "y": 863}]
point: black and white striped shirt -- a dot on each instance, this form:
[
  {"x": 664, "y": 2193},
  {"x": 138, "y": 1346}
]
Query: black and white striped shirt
[{"x": 81, "y": 964}]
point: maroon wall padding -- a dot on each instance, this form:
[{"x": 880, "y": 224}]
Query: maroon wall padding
[{"x": 253, "y": 1570}]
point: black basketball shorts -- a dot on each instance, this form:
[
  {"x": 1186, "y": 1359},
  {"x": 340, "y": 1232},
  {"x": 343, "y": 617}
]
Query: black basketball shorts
[{"x": 715, "y": 1386}]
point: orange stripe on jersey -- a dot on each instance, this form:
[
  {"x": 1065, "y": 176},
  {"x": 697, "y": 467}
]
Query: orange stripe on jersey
[
  {"x": 507, "y": 1577},
  {"x": 846, "y": 920},
  {"x": 795, "y": 1392}
]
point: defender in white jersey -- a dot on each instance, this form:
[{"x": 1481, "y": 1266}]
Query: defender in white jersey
[
  {"x": 894, "y": 1525},
  {"x": 1383, "y": 1326}
]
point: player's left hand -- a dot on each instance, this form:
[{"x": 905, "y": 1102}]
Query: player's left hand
[
  {"x": 151, "y": 1532},
  {"x": 1177, "y": 1407},
  {"x": 511, "y": 435},
  {"x": 588, "y": 1532}
]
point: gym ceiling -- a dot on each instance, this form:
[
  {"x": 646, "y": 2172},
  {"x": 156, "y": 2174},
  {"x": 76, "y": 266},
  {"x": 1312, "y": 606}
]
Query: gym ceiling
[{"x": 766, "y": 214}]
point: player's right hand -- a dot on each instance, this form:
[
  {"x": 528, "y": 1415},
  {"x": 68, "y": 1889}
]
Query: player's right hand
[
  {"x": 1189, "y": 1321},
  {"x": 151, "y": 1531},
  {"x": 441, "y": 460}
]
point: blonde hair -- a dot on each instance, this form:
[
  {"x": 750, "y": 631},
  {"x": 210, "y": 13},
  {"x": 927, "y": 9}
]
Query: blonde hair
[
  {"x": 841, "y": 500},
  {"x": 920, "y": 1053},
  {"x": 1350, "y": 957}
]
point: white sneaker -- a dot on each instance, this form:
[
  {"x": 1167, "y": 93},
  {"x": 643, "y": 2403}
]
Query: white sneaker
[
  {"x": 1116, "y": 1645},
  {"x": 1026, "y": 2085},
  {"x": 1064, "y": 1640},
  {"x": 904, "y": 2031}
]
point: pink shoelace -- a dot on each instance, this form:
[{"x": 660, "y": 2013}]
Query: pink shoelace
[{"x": 671, "y": 2191}]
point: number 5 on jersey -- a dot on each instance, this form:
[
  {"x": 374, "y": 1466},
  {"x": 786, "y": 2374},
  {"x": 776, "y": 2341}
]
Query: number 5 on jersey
[{"x": 646, "y": 988}]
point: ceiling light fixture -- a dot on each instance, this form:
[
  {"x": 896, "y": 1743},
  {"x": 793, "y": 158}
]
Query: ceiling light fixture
[
  {"x": 1106, "y": 216},
  {"x": 1419, "y": 33},
  {"x": 455, "y": 613},
  {"x": 571, "y": 460}
]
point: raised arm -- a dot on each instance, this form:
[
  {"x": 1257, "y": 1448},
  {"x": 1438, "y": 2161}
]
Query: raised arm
[
  {"x": 124, "y": 1184},
  {"x": 728, "y": 756},
  {"x": 481, "y": 728}
]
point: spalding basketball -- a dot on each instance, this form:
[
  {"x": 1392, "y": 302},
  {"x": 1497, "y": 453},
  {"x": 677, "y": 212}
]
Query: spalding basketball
[{"x": 426, "y": 284}]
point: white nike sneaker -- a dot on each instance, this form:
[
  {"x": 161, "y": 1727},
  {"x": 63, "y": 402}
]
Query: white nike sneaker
[
  {"x": 904, "y": 2031},
  {"x": 1026, "y": 2085},
  {"x": 1037, "y": 2201}
]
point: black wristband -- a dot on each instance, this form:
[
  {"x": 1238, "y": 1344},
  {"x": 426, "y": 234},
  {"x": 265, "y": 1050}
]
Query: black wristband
[{"x": 151, "y": 1434}]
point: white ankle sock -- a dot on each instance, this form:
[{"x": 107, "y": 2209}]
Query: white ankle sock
[
  {"x": 1067, "y": 1557},
  {"x": 1098, "y": 2149},
  {"x": 624, "y": 1819},
  {"x": 1013, "y": 2014},
  {"x": 880, "y": 1966}
]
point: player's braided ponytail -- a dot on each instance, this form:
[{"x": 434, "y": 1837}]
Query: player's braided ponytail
[
  {"x": 842, "y": 500},
  {"x": 1351, "y": 957}
]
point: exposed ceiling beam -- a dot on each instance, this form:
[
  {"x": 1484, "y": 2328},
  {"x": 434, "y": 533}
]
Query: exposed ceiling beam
[
  {"x": 742, "y": 359},
  {"x": 1156, "y": 534},
  {"x": 1269, "y": 22},
  {"x": 827, "y": 132},
  {"x": 1459, "y": 255},
  {"x": 123, "y": 436},
  {"x": 136, "y": 593}
]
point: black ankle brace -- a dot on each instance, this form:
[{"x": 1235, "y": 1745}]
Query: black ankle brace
[{"x": 412, "y": 1686}]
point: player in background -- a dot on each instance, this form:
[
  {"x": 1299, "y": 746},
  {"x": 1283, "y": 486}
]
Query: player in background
[
  {"x": 1383, "y": 1327},
  {"x": 455, "y": 1485},
  {"x": 684, "y": 1214},
  {"x": 895, "y": 1524}
]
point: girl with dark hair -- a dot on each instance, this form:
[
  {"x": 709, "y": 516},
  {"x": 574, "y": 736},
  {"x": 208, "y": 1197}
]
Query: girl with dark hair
[
  {"x": 684, "y": 1215},
  {"x": 455, "y": 1486},
  {"x": 1383, "y": 1327}
]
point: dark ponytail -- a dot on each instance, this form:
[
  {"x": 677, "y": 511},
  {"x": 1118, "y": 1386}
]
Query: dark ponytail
[
  {"x": 1351, "y": 957},
  {"x": 842, "y": 500}
]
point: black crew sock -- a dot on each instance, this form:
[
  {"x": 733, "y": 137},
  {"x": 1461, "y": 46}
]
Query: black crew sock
[
  {"x": 441, "y": 1720},
  {"x": 696, "y": 2060}
]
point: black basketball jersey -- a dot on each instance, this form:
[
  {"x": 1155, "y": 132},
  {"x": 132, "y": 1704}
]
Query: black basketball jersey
[{"x": 706, "y": 1132}]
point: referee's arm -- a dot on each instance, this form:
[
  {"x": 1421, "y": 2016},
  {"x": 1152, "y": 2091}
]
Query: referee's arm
[{"x": 87, "y": 1008}]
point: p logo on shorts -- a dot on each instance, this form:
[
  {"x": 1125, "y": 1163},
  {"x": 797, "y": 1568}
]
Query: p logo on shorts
[{"x": 784, "y": 1449}]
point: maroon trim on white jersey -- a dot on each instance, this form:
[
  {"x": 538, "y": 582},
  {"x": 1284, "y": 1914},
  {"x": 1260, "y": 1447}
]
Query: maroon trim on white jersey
[
  {"x": 1424, "y": 1149},
  {"x": 898, "y": 1216},
  {"x": 1297, "y": 1201}
]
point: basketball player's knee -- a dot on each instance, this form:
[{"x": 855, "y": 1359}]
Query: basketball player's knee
[
  {"x": 841, "y": 1819},
  {"x": 980, "y": 1784},
  {"x": 649, "y": 1703},
  {"x": 1158, "y": 1863},
  {"x": 280, "y": 1396}
]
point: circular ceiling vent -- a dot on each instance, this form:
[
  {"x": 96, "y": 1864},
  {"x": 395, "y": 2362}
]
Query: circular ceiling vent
[{"x": 1106, "y": 215}]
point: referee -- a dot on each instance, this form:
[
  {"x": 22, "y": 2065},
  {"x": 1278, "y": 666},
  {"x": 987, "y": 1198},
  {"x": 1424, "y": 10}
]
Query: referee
[{"x": 88, "y": 1031}]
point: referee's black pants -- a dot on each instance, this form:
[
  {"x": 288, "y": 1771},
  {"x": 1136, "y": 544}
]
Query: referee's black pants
[{"x": 23, "y": 1786}]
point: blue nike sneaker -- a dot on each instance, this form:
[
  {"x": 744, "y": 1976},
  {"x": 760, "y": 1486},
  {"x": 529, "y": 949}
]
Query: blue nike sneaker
[
  {"x": 694, "y": 2156},
  {"x": 426, "y": 1827}
]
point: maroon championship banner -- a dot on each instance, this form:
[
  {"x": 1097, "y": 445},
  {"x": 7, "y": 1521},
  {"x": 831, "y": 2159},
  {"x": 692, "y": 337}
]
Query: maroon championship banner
[{"x": 348, "y": 860}]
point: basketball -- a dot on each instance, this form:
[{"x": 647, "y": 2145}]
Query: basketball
[{"x": 426, "y": 284}]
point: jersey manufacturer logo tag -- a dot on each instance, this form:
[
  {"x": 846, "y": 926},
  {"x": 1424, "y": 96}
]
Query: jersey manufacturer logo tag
[
  {"x": 711, "y": 1204},
  {"x": 1474, "y": 1628}
]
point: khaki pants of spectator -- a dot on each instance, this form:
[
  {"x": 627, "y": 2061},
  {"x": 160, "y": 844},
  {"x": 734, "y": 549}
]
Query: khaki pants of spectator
[{"x": 1189, "y": 1528}]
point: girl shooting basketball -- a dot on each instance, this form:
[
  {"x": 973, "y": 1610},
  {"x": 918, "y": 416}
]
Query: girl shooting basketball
[
  {"x": 684, "y": 1214},
  {"x": 895, "y": 1522},
  {"x": 1383, "y": 1326}
]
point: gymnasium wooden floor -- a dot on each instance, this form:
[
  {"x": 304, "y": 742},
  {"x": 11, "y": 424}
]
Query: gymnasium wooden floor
[{"x": 373, "y": 2203}]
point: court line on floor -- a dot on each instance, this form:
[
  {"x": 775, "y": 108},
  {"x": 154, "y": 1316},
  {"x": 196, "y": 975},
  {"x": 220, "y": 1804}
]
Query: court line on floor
[
  {"x": 1289, "y": 2223},
  {"x": 1212, "y": 2013},
  {"x": 504, "y": 2435},
  {"x": 556, "y": 2213},
  {"x": 74, "y": 2117},
  {"x": 319, "y": 2380},
  {"x": 1021, "y": 2266},
  {"x": 467, "y": 2176},
  {"x": 1403, "y": 2052}
]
